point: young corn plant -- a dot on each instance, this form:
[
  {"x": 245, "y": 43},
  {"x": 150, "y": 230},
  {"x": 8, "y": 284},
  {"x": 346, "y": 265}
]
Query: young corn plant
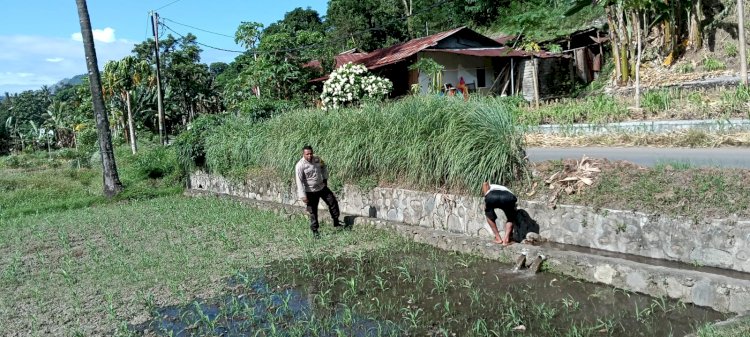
[{"x": 440, "y": 282}]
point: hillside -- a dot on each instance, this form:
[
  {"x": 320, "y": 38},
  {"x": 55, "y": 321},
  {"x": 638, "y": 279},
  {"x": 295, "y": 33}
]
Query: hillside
[{"x": 75, "y": 80}]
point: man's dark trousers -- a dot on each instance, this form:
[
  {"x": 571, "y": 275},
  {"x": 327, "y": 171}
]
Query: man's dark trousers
[{"x": 313, "y": 199}]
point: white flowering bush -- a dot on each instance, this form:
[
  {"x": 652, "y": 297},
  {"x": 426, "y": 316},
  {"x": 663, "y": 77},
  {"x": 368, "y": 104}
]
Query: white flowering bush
[{"x": 350, "y": 84}]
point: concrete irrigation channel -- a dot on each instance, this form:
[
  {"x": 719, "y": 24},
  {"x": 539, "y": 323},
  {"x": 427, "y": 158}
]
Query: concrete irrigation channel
[{"x": 704, "y": 265}]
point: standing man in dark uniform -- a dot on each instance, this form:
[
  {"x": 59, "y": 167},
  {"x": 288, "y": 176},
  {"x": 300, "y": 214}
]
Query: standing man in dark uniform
[
  {"x": 311, "y": 175},
  {"x": 498, "y": 196}
]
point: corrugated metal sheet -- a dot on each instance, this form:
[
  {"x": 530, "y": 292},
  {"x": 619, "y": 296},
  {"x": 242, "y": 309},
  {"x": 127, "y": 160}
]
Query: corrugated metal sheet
[
  {"x": 496, "y": 52},
  {"x": 503, "y": 40},
  {"x": 399, "y": 52}
]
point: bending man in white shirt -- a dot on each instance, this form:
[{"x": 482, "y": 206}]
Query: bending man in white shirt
[{"x": 498, "y": 196}]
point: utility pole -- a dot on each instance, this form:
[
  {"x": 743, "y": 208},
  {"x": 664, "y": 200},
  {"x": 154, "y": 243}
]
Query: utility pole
[
  {"x": 741, "y": 32},
  {"x": 159, "y": 93}
]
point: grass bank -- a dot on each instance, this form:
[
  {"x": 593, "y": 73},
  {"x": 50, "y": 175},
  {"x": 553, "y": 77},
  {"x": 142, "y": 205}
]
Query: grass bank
[
  {"x": 416, "y": 141},
  {"x": 669, "y": 189},
  {"x": 656, "y": 104}
]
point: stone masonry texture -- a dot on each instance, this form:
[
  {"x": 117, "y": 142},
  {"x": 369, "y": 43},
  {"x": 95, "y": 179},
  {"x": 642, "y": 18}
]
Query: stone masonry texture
[{"x": 722, "y": 243}]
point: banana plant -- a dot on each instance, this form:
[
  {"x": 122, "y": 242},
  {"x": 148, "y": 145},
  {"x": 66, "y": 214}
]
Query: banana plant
[{"x": 121, "y": 78}]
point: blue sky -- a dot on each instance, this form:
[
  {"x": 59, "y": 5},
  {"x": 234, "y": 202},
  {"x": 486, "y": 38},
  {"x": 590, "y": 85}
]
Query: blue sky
[{"x": 40, "y": 39}]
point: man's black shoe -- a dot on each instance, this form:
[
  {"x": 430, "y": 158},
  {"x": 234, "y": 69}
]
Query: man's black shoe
[
  {"x": 316, "y": 235},
  {"x": 343, "y": 227}
]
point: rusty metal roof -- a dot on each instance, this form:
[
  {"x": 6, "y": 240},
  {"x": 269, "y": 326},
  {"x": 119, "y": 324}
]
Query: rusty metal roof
[
  {"x": 503, "y": 40},
  {"x": 385, "y": 56},
  {"x": 496, "y": 52}
]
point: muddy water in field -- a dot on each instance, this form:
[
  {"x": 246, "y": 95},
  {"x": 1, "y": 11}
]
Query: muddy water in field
[{"x": 420, "y": 291}]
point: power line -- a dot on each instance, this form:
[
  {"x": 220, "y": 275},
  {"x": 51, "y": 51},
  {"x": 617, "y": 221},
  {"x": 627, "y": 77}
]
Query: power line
[
  {"x": 167, "y": 5},
  {"x": 203, "y": 44},
  {"x": 314, "y": 46},
  {"x": 196, "y": 28}
]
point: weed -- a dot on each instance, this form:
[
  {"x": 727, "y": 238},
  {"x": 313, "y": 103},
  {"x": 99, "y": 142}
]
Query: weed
[
  {"x": 621, "y": 228},
  {"x": 657, "y": 100},
  {"x": 711, "y": 63},
  {"x": 730, "y": 48},
  {"x": 685, "y": 68}
]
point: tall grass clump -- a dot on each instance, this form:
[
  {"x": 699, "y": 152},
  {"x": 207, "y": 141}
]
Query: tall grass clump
[
  {"x": 737, "y": 100},
  {"x": 189, "y": 144},
  {"x": 657, "y": 100},
  {"x": 418, "y": 141}
]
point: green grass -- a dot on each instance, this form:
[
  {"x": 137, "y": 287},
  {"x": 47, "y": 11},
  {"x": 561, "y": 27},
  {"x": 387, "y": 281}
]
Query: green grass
[
  {"x": 730, "y": 49},
  {"x": 737, "y": 100},
  {"x": 711, "y": 63},
  {"x": 593, "y": 109},
  {"x": 673, "y": 189},
  {"x": 657, "y": 100},
  {"x": 93, "y": 269},
  {"x": 53, "y": 185},
  {"x": 738, "y": 328},
  {"x": 421, "y": 142}
]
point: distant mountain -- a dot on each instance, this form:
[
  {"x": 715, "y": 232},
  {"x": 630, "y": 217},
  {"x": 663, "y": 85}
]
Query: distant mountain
[{"x": 76, "y": 80}]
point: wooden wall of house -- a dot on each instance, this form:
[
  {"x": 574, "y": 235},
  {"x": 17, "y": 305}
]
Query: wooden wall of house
[{"x": 553, "y": 76}]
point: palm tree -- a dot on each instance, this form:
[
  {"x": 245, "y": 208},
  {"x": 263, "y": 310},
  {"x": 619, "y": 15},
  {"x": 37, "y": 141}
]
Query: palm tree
[{"x": 112, "y": 185}]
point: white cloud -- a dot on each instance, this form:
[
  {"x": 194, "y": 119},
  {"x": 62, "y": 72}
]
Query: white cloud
[
  {"x": 23, "y": 79},
  {"x": 28, "y": 62},
  {"x": 106, "y": 35}
]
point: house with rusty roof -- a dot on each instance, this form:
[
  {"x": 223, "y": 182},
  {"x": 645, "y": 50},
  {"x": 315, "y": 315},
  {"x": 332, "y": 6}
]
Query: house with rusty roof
[{"x": 486, "y": 65}]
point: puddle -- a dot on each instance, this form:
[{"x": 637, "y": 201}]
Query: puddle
[{"x": 420, "y": 291}]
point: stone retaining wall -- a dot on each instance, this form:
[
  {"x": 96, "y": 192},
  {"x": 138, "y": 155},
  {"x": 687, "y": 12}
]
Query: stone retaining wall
[{"x": 723, "y": 243}]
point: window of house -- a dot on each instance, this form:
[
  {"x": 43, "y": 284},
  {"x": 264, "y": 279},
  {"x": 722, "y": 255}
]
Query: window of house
[{"x": 480, "y": 78}]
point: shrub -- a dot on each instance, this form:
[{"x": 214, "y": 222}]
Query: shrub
[
  {"x": 685, "y": 68},
  {"x": 189, "y": 145},
  {"x": 713, "y": 64},
  {"x": 263, "y": 108},
  {"x": 157, "y": 163},
  {"x": 350, "y": 84},
  {"x": 88, "y": 144}
]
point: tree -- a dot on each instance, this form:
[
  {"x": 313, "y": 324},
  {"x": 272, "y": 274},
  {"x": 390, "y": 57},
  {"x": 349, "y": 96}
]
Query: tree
[
  {"x": 629, "y": 20},
  {"x": 112, "y": 185},
  {"x": 365, "y": 24},
  {"x": 123, "y": 77},
  {"x": 248, "y": 34},
  {"x": 188, "y": 84},
  {"x": 741, "y": 33},
  {"x": 296, "y": 20}
]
